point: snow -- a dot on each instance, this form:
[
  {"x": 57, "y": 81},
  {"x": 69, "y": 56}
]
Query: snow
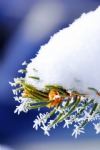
[{"x": 71, "y": 58}]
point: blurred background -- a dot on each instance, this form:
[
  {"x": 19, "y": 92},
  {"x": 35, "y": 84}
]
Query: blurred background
[{"x": 25, "y": 25}]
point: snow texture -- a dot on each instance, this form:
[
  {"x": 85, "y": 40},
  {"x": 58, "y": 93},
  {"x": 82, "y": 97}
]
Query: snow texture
[{"x": 71, "y": 58}]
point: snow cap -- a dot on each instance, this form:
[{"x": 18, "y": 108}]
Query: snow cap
[{"x": 71, "y": 58}]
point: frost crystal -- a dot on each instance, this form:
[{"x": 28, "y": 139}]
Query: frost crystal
[
  {"x": 25, "y": 103},
  {"x": 46, "y": 130},
  {"x": 77, "y": 131},
  {"x": 67, "y": 123},
  {"x": 20, "y": 108},
  {"x": 97, "y": 127}
]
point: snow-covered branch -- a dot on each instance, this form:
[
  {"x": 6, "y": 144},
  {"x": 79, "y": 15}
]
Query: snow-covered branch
[{"x": 65, "y": 76}]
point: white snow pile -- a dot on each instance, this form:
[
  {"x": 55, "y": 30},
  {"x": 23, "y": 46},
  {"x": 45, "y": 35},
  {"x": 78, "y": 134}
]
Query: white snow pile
[{"x": 71, "y": 58}]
